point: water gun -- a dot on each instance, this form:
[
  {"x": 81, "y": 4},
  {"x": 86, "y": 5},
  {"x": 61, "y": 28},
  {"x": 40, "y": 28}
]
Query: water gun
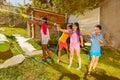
[
  {"x": 26, "y": 16},
  {"x": 55, "y": 26}
]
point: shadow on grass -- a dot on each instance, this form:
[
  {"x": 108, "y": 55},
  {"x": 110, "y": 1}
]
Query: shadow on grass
[
  {"x": 64, "y": 72},
  {"x": 63, "y": 62},
  {"x": 100, "y": 75},
  {"x": 110, "y": 57}
]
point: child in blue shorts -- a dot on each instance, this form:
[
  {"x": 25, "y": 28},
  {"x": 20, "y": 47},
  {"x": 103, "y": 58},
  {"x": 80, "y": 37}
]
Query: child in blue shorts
[{"x": 95, "y": 51}]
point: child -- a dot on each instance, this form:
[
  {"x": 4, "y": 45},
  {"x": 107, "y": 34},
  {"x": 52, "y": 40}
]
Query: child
[
  {"x": 76, "y": 40},
  {"x": 45, "y": 37},
  {"x": 95, "y": 51},
  {"x": 63, "y": 43}
]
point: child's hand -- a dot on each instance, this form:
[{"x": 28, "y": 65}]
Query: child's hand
[
  {"x": 95, "y": 37},
  {"x": 55, "y": 24},
  {"x": 58, "y": 27},
  {"x": 82, "y": 44}
]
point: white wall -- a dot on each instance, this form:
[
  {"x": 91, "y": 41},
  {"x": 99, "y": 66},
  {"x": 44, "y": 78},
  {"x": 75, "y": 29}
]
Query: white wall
[{"x": 88, "y": 20}]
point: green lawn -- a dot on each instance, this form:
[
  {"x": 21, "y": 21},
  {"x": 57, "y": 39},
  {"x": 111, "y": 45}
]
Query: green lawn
[
  {"x": 4, "y": 47},
  {"x": 15, "y": 48},
  {"x": 14, "y": 30},
  {"x": 31, "y": 69}
]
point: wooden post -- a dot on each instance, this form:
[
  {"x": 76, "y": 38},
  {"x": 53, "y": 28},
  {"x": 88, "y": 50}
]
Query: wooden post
[
  {"x": 66, "y": 18},
  {"x": 33, "y": 32},
  {"x": 28, "y": 29}
]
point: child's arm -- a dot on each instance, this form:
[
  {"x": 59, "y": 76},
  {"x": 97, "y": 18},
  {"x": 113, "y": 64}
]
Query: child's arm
[
  {"x": 27, "y": 18},
  {"x": 87, "y": 33},
  {"x": 100, "y": 40},
  {"x": 33, "y": 21},
  {"x": 81, "y": 39},
  {"x": 62, "y": 30}
]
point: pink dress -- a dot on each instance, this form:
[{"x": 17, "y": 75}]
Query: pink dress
[{"x": 74, "y": 40}]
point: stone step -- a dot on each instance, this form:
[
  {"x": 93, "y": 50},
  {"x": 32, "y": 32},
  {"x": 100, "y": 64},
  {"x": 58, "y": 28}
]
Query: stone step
[{"x": 13, "y": 61}]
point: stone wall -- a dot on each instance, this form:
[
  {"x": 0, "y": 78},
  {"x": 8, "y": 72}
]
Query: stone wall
[
  {"x": 110, "y": 19},
  {"x": 6, "y": 20}
]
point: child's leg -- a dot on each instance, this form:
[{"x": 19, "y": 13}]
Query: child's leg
[
  {"x": 68, "y": 53},
  {"x": 79, "y": 58},
  {"x": 48, "y": 51},
  {"x": 71, "y": 55},
  {"x": 95, "y": 62},
  {"x": 44, "y": 52},
  {"x": 66, "y": 47},
  {"x": 61, "y": 45},
  {"x": 91, "y": 63},
  {"x": 45, "y": 43},
  {"x": 59, "y": 53}
]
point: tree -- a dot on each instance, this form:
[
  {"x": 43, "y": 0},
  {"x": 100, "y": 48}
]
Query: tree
[
  {"x": 67, "y": 6},
  {"x": 3, "y": 2},
  {"x": 43, "y": 4}
]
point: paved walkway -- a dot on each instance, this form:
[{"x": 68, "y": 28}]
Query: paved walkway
[{"x": 26, "y": 47}]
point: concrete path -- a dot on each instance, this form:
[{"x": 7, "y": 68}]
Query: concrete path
[{"x": 27, "y": 48}]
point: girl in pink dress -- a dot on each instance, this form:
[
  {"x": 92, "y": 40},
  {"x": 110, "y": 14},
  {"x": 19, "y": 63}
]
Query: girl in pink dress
[{"x": 76, "y": 40}]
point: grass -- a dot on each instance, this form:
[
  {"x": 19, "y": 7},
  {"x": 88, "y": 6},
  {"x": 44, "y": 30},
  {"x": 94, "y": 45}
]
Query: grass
[
  {"x": 14, "y": 30},
  {"x": 4, "y": 47},
  {"x": 30, "y": 69},
  {"x": 14, "y": 48}
]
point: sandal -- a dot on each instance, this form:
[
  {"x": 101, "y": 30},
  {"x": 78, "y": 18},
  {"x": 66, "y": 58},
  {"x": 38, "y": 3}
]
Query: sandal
[
  {"x": 58, "y": 61},
  {"x": 43, "y": 59},
  {"x": 94, "y": 70},
  {"x": 69, "y": 66},
  {"x": 88, "y": 73},
  {"x": 79, "y": 67}
]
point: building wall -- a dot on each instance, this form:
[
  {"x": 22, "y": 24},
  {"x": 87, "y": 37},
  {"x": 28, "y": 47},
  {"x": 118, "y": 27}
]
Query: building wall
[
  {"x": 87, "y": 20},
  {"x": 110, "y": 19},
  {"x": 90, "y": 19}
]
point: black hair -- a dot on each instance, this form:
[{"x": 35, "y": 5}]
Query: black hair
[
  {"x": 70, "y": 26},
  {"x": 99, "y": 26},
  {"x": 44, "y": 18},
  {"x": 78, "y": 29}
]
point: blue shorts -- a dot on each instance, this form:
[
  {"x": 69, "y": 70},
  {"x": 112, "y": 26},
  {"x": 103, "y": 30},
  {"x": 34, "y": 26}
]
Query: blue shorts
[{"x": 95, "y": 54}]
